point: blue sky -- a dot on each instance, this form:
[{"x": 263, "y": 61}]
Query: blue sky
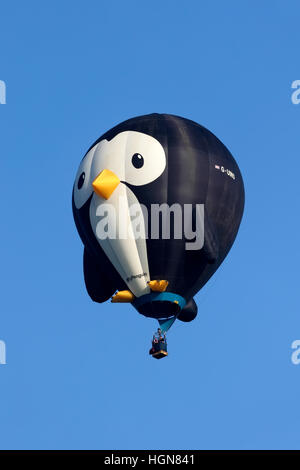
[{"x": 77, "y": 373}]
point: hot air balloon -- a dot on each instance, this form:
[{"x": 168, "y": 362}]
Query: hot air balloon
[{"x": 157, "y": 202}]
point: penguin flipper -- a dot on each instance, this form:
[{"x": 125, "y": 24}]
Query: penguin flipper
[
  {"x": 98, "y": 285},
  {"x": 189, "y": 311}
]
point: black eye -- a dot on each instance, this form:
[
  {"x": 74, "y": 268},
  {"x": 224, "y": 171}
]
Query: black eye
[
  {"x": 81, "y": 180},
  {"x": 137, "y": 160}
]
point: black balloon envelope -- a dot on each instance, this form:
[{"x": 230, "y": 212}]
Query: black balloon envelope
[{"x": 157, "y": 202}]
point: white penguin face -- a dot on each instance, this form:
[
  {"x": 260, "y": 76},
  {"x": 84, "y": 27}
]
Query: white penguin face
[
  {"x": 82, "y": 186},
  {"x": 134, "y": 157}
]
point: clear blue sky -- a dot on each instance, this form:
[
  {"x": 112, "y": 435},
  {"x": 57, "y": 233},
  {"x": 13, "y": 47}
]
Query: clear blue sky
[{"x": 77, "y": 373}]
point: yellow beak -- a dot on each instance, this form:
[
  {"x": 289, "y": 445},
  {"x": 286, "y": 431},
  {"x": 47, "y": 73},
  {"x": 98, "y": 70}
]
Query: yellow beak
[{"x": 105, "y": 183}]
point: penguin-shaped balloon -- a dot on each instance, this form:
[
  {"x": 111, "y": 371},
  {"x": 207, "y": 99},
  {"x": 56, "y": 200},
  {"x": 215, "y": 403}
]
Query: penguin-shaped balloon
[{"x": 157, "y": 202}]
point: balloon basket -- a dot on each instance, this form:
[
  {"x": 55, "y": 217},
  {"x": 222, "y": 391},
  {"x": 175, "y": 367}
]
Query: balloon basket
[{"x": 159, "y": 350}]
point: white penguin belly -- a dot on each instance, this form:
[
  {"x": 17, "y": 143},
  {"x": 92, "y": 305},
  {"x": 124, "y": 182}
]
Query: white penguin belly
[{"x": 111, "y": 222}]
